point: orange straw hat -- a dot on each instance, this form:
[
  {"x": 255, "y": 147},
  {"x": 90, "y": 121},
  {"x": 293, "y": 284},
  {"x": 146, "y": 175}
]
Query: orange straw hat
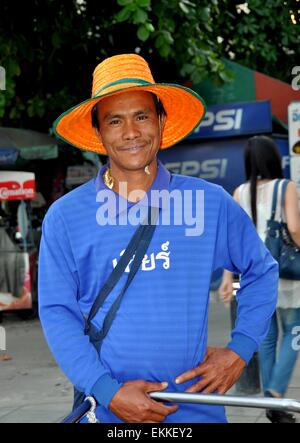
[{"x": 184, "y": 108}]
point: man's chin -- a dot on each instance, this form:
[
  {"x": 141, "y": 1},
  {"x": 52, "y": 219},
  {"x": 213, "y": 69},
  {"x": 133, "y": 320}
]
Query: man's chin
[{"x": 138, "y": 165}]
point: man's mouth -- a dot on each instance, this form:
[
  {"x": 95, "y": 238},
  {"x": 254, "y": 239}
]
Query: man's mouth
[{"x": 133, "y": 149}]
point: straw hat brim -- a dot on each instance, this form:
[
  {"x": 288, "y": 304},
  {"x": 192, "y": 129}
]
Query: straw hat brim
[{"x": 184, "y": 108}]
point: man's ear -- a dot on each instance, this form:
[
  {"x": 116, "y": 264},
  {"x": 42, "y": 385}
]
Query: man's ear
[
  {"x": 162, "y": 121},
  {"x": 98, "y": 134}
]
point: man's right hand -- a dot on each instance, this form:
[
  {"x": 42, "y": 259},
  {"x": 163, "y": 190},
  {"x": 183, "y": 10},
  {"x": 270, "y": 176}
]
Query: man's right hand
[{"x": 132, "y": 404}]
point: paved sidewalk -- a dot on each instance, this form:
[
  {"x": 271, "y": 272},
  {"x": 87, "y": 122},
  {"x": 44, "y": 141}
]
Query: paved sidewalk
[
  {"x": 219, "y": 334},
  {"x": 33, "y": 389}
]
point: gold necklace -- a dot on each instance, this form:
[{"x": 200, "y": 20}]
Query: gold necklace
[
  {"x": 107, "y": 178},
  {"x": 109, "y": 181}
]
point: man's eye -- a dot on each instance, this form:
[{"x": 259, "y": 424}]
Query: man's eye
[
  {"x": 114, "y": 122},
  {"x": 142, "y": 117}
]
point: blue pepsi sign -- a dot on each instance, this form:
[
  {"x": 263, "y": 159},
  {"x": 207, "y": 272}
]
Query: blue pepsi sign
[
  {"x": 218, "y": 161},
  {"x": 235, "y": 119}
]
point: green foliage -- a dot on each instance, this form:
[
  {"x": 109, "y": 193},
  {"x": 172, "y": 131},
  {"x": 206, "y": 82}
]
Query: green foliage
[
  {"x": 49, "y": 49},
  {"x": 264, "y": 39},
  {"x": 143, "y": 33},
  {"x": 179, "y": 31}
]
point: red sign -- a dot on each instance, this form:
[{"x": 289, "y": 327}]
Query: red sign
[{"x": 15, "y": 191}]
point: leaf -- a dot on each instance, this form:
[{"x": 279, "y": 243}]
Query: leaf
[
  {"x": 285, "y": 40},
  {"x": 36, "y": 107},
  {"x": 184, "y": 8},
  {"x": 143, "y": 33},
  {"x": 187, "y": 68},
  {"x": 140, "y": 16},
  {"x": 208, "y": 28},
  {"x": 187, "y": 2},
  {"x": 165, "y": 50},
  {"x": 205, "y": 14},
  {"x": 123, "y": 15},
  {"x": 227, "y": 76},
  {"x": 197, "y": 77},
  {"x": 160, "y": 41},
  {"x": 150, "y": 27},
  {"x": 168, "y": 37},
  {"x": 144, "y": 3},
  {"x": 124, "y": 2}
]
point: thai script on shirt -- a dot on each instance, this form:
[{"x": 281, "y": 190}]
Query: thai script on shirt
[{"x": 150, "y": 262}]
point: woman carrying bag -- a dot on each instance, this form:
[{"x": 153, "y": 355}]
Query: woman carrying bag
[{"x": 263, "y": 169}]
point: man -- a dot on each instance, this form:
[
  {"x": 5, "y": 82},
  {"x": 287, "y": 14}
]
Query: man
[{"x": 158, "y": 337}]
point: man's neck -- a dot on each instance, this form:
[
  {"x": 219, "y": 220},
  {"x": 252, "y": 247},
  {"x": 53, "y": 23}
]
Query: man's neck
[{"x": 136, "y": 182}]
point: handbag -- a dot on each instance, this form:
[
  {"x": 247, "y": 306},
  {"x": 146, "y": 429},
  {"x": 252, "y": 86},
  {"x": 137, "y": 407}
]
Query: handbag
[
  {"x": 279, "y": 241},
  {"x": 84, "y": 407}
]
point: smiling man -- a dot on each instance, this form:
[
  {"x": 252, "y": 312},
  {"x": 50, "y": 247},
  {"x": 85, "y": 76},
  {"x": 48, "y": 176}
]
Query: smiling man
[
  {"x": 121, "y": 336},
  {"x": 130, "y": 126}
]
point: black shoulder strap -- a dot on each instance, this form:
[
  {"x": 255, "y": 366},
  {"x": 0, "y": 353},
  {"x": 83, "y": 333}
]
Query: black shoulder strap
[
  {"x": 283, "y": 189},
  {"x": 275, "y": 193},
  {"x": 140, "y": 252},
  {"x": 136, "y": 248}
]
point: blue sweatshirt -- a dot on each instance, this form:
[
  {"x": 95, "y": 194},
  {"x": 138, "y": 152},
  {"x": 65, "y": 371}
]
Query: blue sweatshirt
[{"x": 160, "y": 330}]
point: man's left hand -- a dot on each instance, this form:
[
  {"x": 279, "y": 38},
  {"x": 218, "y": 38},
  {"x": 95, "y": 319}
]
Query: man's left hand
[{"x": 220, "y": 369}]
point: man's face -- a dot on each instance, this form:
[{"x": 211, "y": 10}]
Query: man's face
[{"x": 130, "y": 129}]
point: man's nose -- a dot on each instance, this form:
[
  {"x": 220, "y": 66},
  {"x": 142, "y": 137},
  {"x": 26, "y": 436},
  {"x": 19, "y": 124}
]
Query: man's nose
[{"x": 130, "y": 130}]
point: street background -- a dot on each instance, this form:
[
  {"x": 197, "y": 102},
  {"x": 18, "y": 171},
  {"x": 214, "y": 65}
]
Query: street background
[
  {"x": 34, "y": 390},
  {"x": 225, "y": 51}
]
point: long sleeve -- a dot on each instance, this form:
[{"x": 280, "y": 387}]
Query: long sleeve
[
  {"x": 240, "y": 250},
  {"x": 61, "y": 318}
]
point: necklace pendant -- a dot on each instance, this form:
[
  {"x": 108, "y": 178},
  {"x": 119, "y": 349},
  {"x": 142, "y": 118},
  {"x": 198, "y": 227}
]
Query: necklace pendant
[{"x": 108, "y": 180}]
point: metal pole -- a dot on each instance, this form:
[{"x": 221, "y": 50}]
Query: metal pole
[{"x": 285, "y": 404}]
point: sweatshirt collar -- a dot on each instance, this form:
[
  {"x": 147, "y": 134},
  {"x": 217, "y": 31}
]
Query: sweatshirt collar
[{"x": 161, "y": 182}]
